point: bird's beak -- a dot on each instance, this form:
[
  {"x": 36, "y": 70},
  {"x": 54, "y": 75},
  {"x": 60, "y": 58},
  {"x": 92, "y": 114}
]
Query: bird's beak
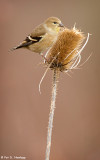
[{"x": 61, "y": 25}]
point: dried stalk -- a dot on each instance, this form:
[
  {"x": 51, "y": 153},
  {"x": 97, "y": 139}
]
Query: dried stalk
[{"x": 51, "y": 115}]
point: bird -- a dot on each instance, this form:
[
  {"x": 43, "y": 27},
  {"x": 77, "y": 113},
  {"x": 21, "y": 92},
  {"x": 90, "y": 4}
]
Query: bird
[{"x": 43, "y": 36}]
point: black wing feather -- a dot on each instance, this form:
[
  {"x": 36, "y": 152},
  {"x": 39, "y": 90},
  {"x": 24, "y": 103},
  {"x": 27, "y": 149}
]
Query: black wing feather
[{"x": 28, "y": 42}]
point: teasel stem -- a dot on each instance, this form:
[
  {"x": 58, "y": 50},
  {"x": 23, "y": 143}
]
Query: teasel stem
[{"x": 51, "y": 115}]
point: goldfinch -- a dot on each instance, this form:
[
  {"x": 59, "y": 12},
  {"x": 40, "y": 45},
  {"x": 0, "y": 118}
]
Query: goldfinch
[{"x": 43, "y": 36}]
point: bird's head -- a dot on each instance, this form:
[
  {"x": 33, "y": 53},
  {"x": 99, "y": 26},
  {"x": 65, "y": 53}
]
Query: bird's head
[{"x": 53, "y": 24}]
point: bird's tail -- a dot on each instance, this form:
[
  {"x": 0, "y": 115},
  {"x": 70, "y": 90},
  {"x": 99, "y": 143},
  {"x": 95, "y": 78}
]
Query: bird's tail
[
  {"x": 17, "y": 47},
  {"x": 25, "y": 43}
]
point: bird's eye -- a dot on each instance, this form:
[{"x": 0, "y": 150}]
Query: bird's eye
[{"x": 54, "y": 22}]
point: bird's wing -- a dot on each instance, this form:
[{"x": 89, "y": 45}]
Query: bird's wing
[
  {"x": 39, "y": 31},
  {"x": 34, "y": 37}
]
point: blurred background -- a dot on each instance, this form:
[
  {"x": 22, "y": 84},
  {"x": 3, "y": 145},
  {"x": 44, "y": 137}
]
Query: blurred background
[{"x": 23, "y": 111}]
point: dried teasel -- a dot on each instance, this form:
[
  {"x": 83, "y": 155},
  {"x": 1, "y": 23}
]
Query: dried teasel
[{"x": 65, "y": 54}]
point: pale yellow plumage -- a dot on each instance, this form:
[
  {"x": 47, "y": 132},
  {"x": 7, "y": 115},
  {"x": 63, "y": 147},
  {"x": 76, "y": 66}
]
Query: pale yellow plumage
[{"x": 43, "y": 36}]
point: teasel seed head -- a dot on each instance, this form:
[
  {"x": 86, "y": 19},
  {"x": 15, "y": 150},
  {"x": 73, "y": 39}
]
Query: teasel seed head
[{"x": 65, "y": 53}]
